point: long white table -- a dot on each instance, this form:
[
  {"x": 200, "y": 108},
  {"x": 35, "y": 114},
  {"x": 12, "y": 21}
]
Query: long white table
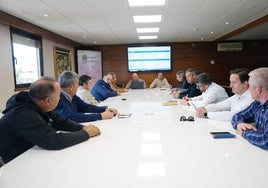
[{"x": 150, "y": 149}]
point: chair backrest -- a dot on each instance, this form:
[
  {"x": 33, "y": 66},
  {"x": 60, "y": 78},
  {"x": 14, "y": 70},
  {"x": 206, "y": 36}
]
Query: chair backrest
[
  {"x": 1, "y": 162},
  {"x": 228, "y": 90}
]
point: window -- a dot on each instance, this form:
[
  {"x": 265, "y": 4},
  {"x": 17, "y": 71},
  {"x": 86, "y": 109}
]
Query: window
[{"x": 27, "y": 58}]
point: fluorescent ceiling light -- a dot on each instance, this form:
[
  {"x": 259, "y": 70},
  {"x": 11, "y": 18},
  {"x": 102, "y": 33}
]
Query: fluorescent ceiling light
[
  {"x": 148, "y": 30},
  {"x": 134, "y": 3},
  {"x": 147, "y": 19},
  {"x": 148, "y": 37}
]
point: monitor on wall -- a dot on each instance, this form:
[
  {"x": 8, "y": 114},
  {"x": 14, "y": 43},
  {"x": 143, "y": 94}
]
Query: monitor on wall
[{"x": 149, "y": 58}]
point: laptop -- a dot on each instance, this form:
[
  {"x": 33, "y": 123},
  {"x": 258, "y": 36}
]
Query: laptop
[{"x": 137, "y": 85}]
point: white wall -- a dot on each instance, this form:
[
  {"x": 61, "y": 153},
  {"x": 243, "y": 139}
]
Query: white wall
[{"x": 6, "y": 68}]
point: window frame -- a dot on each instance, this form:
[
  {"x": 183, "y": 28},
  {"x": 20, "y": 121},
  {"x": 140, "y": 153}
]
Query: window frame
[{"x": 41, "y": 65}]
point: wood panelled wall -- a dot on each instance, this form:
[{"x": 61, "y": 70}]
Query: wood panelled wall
[{"x": 197, "y": 55}]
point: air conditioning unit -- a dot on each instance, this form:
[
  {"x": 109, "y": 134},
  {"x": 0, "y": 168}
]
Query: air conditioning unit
[{"x": 234, "y": 46}]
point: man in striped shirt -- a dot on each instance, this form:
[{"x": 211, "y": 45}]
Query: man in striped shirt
[{"x": 252, "y": 123}]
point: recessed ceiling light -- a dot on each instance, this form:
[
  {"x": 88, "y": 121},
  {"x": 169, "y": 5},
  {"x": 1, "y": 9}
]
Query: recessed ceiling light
[
  {"x": 95, "y": 42},
  {"x": 202, "y": 38},
  {"x": 148, "y": 37},
  {"x": 195, "y": 29},
  {"x": 227, "y": 23},
  {"x": 211, "y": 32},
  {"x": 84, "y": 36},
  {"x": 146, "y": 2},
  {"x": 147, "y": 19},
  {"x": 46, "y": 15},
  {"x": 148, "y": 30}
]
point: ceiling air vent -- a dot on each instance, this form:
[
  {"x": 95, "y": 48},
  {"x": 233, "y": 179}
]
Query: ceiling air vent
[{"x": 234, "y": 46}]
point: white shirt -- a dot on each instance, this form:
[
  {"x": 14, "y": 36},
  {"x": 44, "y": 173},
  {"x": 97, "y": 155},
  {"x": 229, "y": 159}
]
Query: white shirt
[
  {"x": 86, "y": 96},
  {"x": 225, "y": 110},
  {"x": 159, "y": 83},
  {"x": 213, "y": 94}
]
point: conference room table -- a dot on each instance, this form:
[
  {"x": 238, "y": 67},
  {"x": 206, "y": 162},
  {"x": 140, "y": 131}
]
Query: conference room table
[{"x": 151, "y": 148}]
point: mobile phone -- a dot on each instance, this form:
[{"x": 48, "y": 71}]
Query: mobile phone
[
  {"x": 124, "y": 115},
  {"x": 225, "y": 134}
]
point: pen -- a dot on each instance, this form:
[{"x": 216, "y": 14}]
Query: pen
[
  {"x": 193, "y": 105},
  {"x": 186, "y": 98}
]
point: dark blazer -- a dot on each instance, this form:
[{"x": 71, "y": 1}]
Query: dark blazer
[
  {"x": 192, "y": 91},
  {"x": 184, "y": 84},
  {"x": 77, "y": 110}
]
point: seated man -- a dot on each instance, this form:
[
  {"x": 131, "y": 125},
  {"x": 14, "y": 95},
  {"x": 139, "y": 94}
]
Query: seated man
[
  {"x": 83, "y": 90},
  {"x": 225, "y": 110},
  {"x": 252, "y": 122},
  {"x": 160, "y": 81},
  {"x": 211, "y": 92},
  {"x": 183, "y": 84},
  {"x": 115, "y": 87},
  {"x": 29, "y": 120},
  {"x": 102, "y": 89},
  {"x": 135, "y": 79},
  {"x": 72, "y": 107},
  {"x": 191, "y": 91}
]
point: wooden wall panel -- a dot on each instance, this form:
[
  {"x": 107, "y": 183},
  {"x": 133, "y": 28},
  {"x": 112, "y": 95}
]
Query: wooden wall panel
[{"x": 194, "y": 55}]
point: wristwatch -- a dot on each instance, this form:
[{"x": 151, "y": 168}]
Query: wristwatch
[{"x": 206, "y": 115}]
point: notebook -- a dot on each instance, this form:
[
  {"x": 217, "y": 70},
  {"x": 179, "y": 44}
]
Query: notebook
[
  {"x": 137, "y": 85},
  {"x": 218, "y": 135},
  {"x": 170, "y": 103}
]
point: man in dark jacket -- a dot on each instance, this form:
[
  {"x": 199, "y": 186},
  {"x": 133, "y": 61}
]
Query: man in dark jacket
[
  {"x": 72, "y": 107},
  {"x": 192, "y": 90},
  {"x": 102, "y": 89},
  {"x": 29, "y": 120}
]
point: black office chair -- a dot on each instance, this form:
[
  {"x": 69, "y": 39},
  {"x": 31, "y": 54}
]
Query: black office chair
[
  {"x": 120, "y": 85},
  {"x": 1, "y": 162},
  {"x": 228, "y": 90}
]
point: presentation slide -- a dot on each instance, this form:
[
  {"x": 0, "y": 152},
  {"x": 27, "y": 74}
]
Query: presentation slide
[{"x": 153, "y": 58}]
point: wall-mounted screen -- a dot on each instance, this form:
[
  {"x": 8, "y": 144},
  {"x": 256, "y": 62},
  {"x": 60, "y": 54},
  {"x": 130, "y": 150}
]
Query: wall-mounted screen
[{"x": 150, "y": 58}]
